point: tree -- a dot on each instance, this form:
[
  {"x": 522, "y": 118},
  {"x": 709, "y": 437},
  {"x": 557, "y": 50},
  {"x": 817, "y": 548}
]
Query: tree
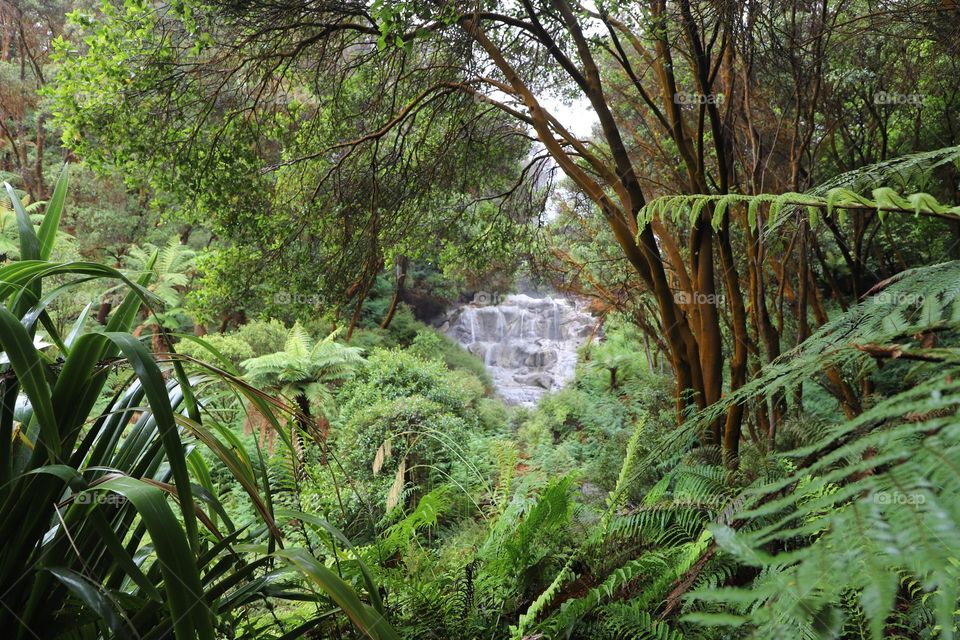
[
  {"x": 689, "y": 97},
  {"x": 279, "y": 176},
  {"x": 304, "y": 371}
]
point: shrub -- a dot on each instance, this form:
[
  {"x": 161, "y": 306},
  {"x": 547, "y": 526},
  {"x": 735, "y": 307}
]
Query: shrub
[
  {"x": 433, "y": 345},
  {"x": 403, "y": 420},
  {"x": 263, "y": 336}
]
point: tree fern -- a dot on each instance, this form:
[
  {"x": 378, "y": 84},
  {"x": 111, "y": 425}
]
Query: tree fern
[
  {"x": 846, "y": 191},
  {"x": 305, "y": 368},
  {"x": 863, "y": 531}
]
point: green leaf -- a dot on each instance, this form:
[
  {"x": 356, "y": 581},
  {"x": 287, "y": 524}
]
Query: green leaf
[
  {"x": 77, "y": 328},
  {"x": 372, "y": 588},
  {"x": 752, "y": 212},
  {"x": 365, "y": 618},
  {"x": 156, "y": 391},
  {"x": 47, "y": 235},
  {"x": 715, "y": 619},
  {"x": 89, "y": 593},
  {"x": 29, "y": 244},
  {"x": 191, "y": 615},
  {"x": 877, "y": 597},
  {"x": 29, "y": 367}
]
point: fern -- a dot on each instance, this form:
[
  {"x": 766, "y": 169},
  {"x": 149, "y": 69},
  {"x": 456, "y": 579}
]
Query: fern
[
  {"x": 915, "y": 301},
  {"x": 305, "y": 367},
  {"x": 543, "y": 600},
  {"x": 891, "y": 513},
  {"x": 426, "y": 515},
  {"x": 631, "y": 621},
  {"x": 861, "y": 538},
  {"x": 572, "y": 612},
  {"x": 845, "y": 191}
]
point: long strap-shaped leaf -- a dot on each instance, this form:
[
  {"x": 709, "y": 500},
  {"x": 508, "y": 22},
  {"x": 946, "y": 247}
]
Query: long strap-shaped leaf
[
  {"x": 29, "y": 368},
  {"x": 47, "y": 235},
  {"x": 372, "y": 589},
  {"x": 364, "y": 617},
  {"x": 189, "y": 612},
  {"x": 29, "y": 245},
  {"x": 91, "y": 595},
  {"x": 156, "y": 390}
]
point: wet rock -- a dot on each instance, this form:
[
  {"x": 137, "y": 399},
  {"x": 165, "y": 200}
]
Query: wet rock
[{"x": 542, "y": 380}]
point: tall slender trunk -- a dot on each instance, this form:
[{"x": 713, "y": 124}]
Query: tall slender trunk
[
  {"x": 738, "y": 363},
  {"x": 38, "y": 185},
  {"x": 397, "y": 292},
  {"x": 803, "y": 327},
  {"x": 709, "y": 336}
]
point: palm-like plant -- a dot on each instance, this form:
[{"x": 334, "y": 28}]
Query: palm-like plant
[
  {"x": 170, "y": 265},
  {"x": 169, "y": 268},
  {"x": 92, "y": 547},
  {"x": 305, "y": 371}
]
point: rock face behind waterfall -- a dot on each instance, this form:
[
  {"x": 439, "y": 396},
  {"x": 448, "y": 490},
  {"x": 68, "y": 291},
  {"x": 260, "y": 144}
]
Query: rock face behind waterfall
[{"x": 529, "y": 345}]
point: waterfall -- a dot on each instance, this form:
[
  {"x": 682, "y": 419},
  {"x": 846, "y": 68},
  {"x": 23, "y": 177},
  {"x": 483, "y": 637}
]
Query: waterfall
[
  {"x": 556, "y": 321},
  {"x": 529, "y": 345}
]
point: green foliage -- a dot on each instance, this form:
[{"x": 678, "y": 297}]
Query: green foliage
[
  {"x": 403, "y": 422},
  {"x": 131, "y": 504},
  {"x": 433, "y": 345},
  {"x": 588, "y": 425},
  {"x": 305, "y": 368},
  {"x": 111, "y": 526},
  {"x": 247, "y": 157},
  {"x": 171, "y": 268},
  {"x": 623, "y": 621},
  {"x": 426, "y": 514},
  {"x": 263, "y": 336},
  {"x": 230, "y": 345},
  {"x": 251, "y": 340},
  {"x": 914, "y": 301},
  {"x": 863, "y": 524},
  {"x": 883, "y": 200}
]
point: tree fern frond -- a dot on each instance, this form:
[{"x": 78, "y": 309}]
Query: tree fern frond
[{"x": 876, "y": 506}]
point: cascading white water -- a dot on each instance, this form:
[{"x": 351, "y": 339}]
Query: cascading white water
[{"x": 529, "y": 345}]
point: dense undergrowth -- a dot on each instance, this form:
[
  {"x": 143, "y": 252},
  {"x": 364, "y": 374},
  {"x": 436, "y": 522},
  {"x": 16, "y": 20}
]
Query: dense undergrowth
[
  {"x": 228, "y": 406},
  {"x": 276, "y": 481}
]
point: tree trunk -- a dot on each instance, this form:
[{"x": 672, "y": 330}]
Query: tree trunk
[
  {"x": 38, "y": 185},
  {"x": 103, "y": 312},
  {"x": 397, "y": 292}
]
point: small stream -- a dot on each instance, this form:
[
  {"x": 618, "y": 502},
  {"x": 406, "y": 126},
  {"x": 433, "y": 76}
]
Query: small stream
[{"x": 528, "y": 344}]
